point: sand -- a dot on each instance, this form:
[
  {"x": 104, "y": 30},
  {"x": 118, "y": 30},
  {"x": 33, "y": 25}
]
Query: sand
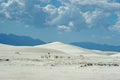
[{"x": 57, "y": 61}]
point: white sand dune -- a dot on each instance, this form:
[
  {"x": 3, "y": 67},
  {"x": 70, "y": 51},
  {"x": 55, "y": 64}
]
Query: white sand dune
[
  {"x": 69, "y": 49},
  {"x": 116, "y": 55},
  {"x": 57, "y": 61}
]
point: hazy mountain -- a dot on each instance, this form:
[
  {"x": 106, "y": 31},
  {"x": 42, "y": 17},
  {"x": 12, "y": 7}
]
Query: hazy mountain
[
  {"x": 19, "y": 40},
  {"x": 95, "y": 46},
  {"x": 12, "y": 39}
]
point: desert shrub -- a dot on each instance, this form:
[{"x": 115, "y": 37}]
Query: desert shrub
[
  {"x": 89, "y": 64},
  {"x": 69, "y": 57},
  {"x": 56, "y": 57},
  {"x": 17, "y": 52},
  {"x": 42, "y": 56},
  {"x": 115, "y": 64},
  {"x": 7, "y": 59}
]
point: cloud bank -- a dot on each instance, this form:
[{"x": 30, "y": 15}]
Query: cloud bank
[{"x": 65, "y": 15}]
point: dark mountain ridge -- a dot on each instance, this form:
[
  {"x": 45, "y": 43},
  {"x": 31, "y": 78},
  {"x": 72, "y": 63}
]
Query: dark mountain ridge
[
  {"x": 95, "y": 46},
  {"x": 15, "y": 40}
]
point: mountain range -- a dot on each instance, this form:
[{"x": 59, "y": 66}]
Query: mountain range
[
  {"x": 95, "y": 46},
  {"x": 16, "y": 40}
]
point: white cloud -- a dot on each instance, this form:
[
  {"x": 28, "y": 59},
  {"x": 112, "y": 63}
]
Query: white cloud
[
  {"x": 64, "y": 28},
  {"x": 71, "y": 24},
  {"x": 62, "y": 9},
  {"x": 7, "y": 15},
  {"x": 24, "y": 11},
  {"x": 10, "y": 2},
  {"x": 116, "y": 27},
  {"x": 50, "y": 9},
  {"x": 91, "y": 17},
  {"x": 7, "y": 4},
  {"x": 98, "y": 3},
  {"x": 20, "y": 2},
  {"x": 67, "y": 15},
  {"x": 85, "y": 14},
  {"x": 71, "y": 14}
]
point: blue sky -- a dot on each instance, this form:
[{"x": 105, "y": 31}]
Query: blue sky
[{"x": 62, "y": 20}]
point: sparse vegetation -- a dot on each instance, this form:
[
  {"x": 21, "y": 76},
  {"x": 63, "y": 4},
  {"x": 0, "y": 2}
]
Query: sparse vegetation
[{"x": 4, "y": 59}]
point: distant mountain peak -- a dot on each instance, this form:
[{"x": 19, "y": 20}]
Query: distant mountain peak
[
  {"x": 95, "y": 46},
  {"x": 11, "y": 39}
]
